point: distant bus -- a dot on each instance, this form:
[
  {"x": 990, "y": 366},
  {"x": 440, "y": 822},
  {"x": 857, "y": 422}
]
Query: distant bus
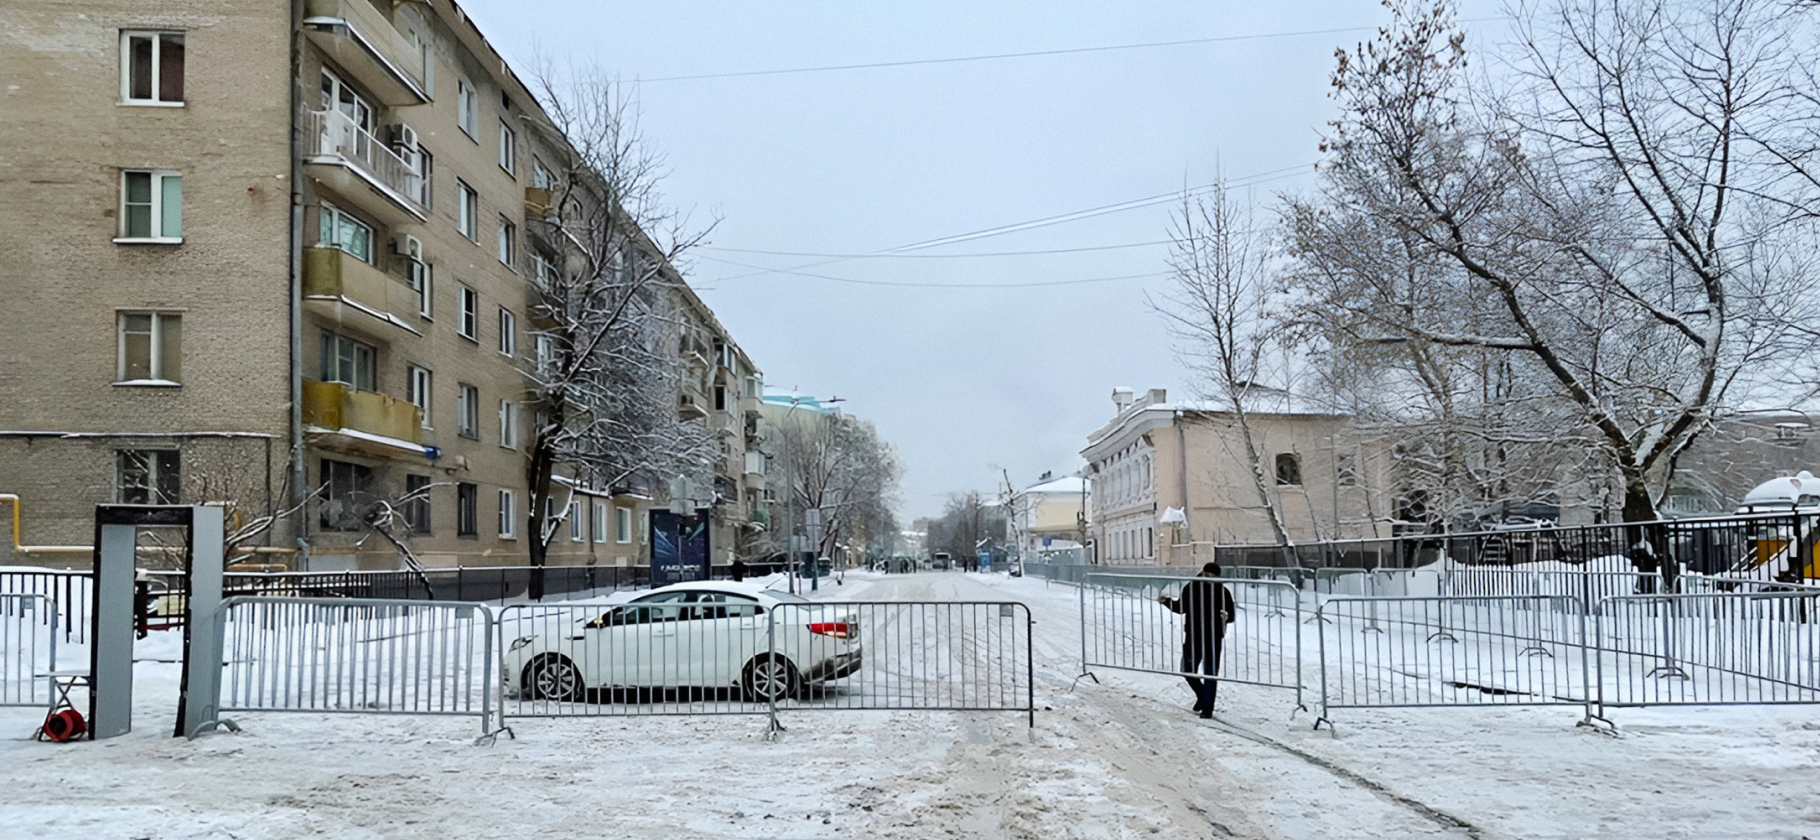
[{"x": 940, "y": 560}]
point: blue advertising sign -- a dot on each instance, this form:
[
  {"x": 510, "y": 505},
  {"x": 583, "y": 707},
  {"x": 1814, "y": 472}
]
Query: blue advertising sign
[{"x": 679, "y": 548}]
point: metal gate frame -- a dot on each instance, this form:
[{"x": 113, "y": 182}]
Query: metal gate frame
[{"x": 1281, "y": 591}]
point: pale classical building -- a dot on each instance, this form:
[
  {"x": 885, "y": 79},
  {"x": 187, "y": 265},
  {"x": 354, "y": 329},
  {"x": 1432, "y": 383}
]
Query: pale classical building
[
  {"x": 1048, "y": 518},
  {"x": 281, "y": 255},
  {"x": 1171, "y": 479}
]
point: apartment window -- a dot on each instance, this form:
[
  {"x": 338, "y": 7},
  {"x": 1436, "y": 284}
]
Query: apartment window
[
  {"x": 151, "y": 68},
  {"x": 467, "y": 509},
  {"x": 546, "y": 355},
  {"x": 544, "y": 272},
  {"x": 467, "y": 109},
  {"x": 420, "y": 390},
  {"x": 1289, "y": 469},
  {"x": 151, "y": 206},
  {"x": 337, "y": 95},
  {"x": 508, "y": 149},
  {"x": 147, "y": 477},
  {"x": 417, "y": 276},
  {"x": 468, "y": 324},
  {"x": 575, "y": 522},
  {"x": 150, "y": 348},
  {"x": 508, "y": 243},
  {"x": 540, "y": 175},
  {"x": 417, "y": 503},
  {"x": 508, "y": 424},
  {"x": 508, "y": 515},
  {"x": 347, "y": 361},
  {"x": 720, "y": 398},
  {"x": 622, "y": 524},
  {"x": 345, "y": 488},
  {"x": 467, "y": 211},
  {"x": 336, "y": 229},
  {"x": 508, "y": 332},
  {"x": 600, "y": 521},
  {"x": 467, "y": 411}
]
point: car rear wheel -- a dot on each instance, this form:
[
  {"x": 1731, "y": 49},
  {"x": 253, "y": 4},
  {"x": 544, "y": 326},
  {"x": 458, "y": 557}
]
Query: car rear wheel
[
  {"x": 553, "y": 678},
  {"x": 769, "y": 678}
]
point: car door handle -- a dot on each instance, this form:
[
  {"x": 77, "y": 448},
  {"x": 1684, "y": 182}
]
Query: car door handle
[{"x": 578, "y": 638}]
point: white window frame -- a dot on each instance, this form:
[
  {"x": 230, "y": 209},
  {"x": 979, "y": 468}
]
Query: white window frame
[
  {"x": 155, "y": 349},
  {"x": 422, "y": 281},
  {"x": 467, "y": 211},
  {"x": 467, "y": 411},
  {"x": 508, "y": 424},
  {"x": 467, "y": 321},
  {"x": 546, "y": 354},
  {"x": 508, "y": 149},
  {"x": 420, "y": 384},
  {"x": 332, "y": 239},
  {"x": 467, "y": 109},
  {"x": 158, "y": 177},
  {"x": 622, "y": 525},
  {"x": 575, "y": 534},
  {"x": 508, "y": 243},
  {"x": 508, "y": 515},
  {"x": 541, "y": 177},
  {"x": 600, "y": 522},
  {"x": 508, "y": 332},
  {"x": 126, "y": 66}
]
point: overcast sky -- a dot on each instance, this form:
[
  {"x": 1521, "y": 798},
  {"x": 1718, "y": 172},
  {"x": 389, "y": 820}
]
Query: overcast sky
[{"x": 964, "y": 372}]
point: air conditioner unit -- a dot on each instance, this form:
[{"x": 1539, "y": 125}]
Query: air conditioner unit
[
  {"x": 408, "y": 246},
  {"x": 402, "y": 137}
]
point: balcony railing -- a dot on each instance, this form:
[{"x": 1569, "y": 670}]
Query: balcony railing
[
  {"x": 337, "y": 135},
  {"x": 337, "y": 407}
]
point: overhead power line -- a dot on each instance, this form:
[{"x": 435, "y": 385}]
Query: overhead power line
[
  {"x": 916, "y": 285},
  {"x": 937, "y": 256},
  {"x": 1033, "y": 54}
]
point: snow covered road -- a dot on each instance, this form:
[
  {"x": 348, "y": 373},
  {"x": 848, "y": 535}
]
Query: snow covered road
[{"x": 1120, "y": 759}]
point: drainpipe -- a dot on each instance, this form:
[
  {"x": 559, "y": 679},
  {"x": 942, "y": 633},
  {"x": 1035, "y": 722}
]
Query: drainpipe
[{"x": 299, "y": 477}]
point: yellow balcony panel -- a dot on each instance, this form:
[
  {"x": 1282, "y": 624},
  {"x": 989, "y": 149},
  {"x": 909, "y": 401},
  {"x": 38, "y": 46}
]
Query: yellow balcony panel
[
  {"x": 342, "y": 289},
  {"x": 339, "y": 416},
  {"x": 537, "y": 202},
  {"x": 365, "y": 45}
]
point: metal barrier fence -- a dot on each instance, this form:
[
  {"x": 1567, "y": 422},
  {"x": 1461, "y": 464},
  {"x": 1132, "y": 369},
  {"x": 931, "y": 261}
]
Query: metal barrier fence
[
  {"x": 929, "y": 656},
  {"x": 72, "y": 592},
  {"x": 1709, "y": 649},
  {"x": 721, "y": 653},
  {"x": 1455, "y": 651},
  {"x": 28, "y": 648},
  {"x": 368, "y": 656},
  {"x": 1124, "y": 626}
]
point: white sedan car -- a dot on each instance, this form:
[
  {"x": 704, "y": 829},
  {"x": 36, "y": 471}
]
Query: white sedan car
[{"x": 703, "y": 635}]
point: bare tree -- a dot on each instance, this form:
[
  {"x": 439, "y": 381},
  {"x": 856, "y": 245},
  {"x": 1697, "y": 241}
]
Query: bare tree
[
  {"x": 839, "y": 466},
  {"x": 603, "y": 384},
  {"x": 1218, "y": 313},
  {"x": 1625, "y": 217}
]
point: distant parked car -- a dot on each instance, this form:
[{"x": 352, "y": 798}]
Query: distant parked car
[{"x": 706, "y": 635}]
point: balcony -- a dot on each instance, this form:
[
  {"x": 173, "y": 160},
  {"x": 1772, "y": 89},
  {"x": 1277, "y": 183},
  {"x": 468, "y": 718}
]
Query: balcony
[
  {"x": 689, "y": 408},
  {"x": 755, "y": 471},
  {"x": 343, "y": 290},
  {"x": 340, "y": 417},
  {"x": 538, "y": 202},
  {"x": 365, "y": 45},
  {"x": 355, "y": 164}
]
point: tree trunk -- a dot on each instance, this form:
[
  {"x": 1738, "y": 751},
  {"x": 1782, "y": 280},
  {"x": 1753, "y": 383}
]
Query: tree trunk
[{"x": 543, "y": 456}]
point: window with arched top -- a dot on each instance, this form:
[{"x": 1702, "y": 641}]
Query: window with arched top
[{"x": 1289, "y": 469}]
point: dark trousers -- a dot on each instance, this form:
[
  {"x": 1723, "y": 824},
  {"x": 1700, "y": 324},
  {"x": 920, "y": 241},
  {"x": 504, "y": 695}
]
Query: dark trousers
[{"x": 1203, "y": 657}]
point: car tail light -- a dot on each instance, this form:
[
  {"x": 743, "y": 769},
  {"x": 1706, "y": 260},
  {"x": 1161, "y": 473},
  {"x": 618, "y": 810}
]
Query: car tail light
[{"x": 837, "y": 629}]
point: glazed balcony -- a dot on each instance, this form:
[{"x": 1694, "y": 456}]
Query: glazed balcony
[{"x": 365, "y": 45}]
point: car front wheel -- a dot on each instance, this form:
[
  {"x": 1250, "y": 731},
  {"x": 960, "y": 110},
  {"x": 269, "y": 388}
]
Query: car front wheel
[
  {"x": 768, "y": 679},
  {"x": 553, "y": 678}
]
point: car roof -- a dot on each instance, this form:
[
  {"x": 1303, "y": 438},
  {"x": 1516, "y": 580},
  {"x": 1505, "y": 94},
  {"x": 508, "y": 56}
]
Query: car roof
[{"x": 726, "y": 586}]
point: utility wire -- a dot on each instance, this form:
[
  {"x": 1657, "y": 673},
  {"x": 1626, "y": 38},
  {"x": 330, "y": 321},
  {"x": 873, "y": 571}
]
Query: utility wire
[
  {"x": 1034, "y": 54},
  {"x": 937, "y": 256},
  {"x": 915, "y": 285}
]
